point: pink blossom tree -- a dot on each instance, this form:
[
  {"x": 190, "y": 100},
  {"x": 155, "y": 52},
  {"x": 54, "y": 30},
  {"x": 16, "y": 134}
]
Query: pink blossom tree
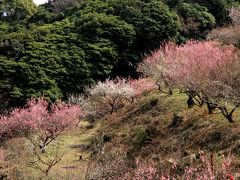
[
  {"x": 62, "y": 117},
  {"x": 234, "y": 14},
  {"x": 197, "y": 64},
  {"x": 40, "y": 120},
  {"x": 227, "y": 35},
  {"x": 223, "y": 88},
  {"x": 194, "y": 67},
  {"x": 157, "y": 69}
]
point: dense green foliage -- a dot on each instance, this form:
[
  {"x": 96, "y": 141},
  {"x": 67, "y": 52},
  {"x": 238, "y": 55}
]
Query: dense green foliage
[
  {"x": 59, "y": 48},
  {"x": 196, "y": 20},
  {"x": 11, "y": 10},
  {"x": 218, "y": 8}
]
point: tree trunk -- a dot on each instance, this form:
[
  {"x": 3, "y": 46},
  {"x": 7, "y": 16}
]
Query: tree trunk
[
  {"x": 210, "y": 108},
  {"x": 190, "y": 102},
  {"x": 227, "y": 115},
  {"x": 230, "y": 118}
]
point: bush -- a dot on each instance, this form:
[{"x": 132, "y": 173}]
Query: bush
[{"x": 142, "y": 136}]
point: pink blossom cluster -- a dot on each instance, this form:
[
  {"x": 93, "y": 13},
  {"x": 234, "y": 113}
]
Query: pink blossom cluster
[
  {"x": 188, "y": 62},
  {"x": 39, "y": 117},
  {"x": 143, "y": 171},
  {"x": 206, "y": 170},
  {"x": 142, "y": 85}
]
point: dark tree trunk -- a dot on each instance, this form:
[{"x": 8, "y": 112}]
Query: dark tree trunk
[
  {"x": 230, "y": 118},
  {"x": 177, "y": 120},
  {"x": 190, "y": 102},
  {"x": 228, "y": 115},
  {"x": 210, "y": 107}
]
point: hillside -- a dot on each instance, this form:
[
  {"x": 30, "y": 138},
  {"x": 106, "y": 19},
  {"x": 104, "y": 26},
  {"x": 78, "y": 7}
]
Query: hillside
[
  {"x": 144, "y": 130},
  {"x": 120, "y": 90}
]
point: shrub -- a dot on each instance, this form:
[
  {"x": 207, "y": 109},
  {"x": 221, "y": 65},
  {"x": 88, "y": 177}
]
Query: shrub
[{"x": 142, "y": 137}]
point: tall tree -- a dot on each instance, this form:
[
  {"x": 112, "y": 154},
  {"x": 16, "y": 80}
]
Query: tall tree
[
  {"x": 11, "y": 10},
  {"x": 196, "y": 20}
]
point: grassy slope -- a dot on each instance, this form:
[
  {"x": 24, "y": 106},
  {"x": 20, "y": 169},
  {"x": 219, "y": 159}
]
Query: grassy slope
[{"x": 142, "y": 129}]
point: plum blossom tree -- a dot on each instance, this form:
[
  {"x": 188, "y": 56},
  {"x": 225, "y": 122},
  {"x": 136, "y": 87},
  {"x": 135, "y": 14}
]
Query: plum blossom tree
[
  {"x": 195, "y": 68},
  {"x": 230, "y": 34},
  {"x": 195, "y": 64},
  {"x": 155, "y": 67},
  {"x": 227, "y": 35},
  {"x": 235, "y": 16},
  {"x": 40, "y": 122},
  {"x": 44, "y": 162},
  {"x": 183, "y": 66},
  {"x": 223, "y": 88},
  {"x": 61, "y": 117},
  {"x": 108, "y": 96}
]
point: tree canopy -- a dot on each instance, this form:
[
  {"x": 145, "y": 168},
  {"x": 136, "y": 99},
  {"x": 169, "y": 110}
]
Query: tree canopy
[
  {"x": 11, "y": 10},
  {"x": 61, "y": 47}
]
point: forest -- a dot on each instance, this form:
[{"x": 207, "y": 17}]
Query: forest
[
  {"x": 60, "y": 47},
  {"x": 120, "y": 89}
]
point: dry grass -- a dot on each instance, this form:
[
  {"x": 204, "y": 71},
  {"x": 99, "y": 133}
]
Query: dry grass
[
  {"x": 142, "y": 130},
  {"x": 71, "y": 143}
]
